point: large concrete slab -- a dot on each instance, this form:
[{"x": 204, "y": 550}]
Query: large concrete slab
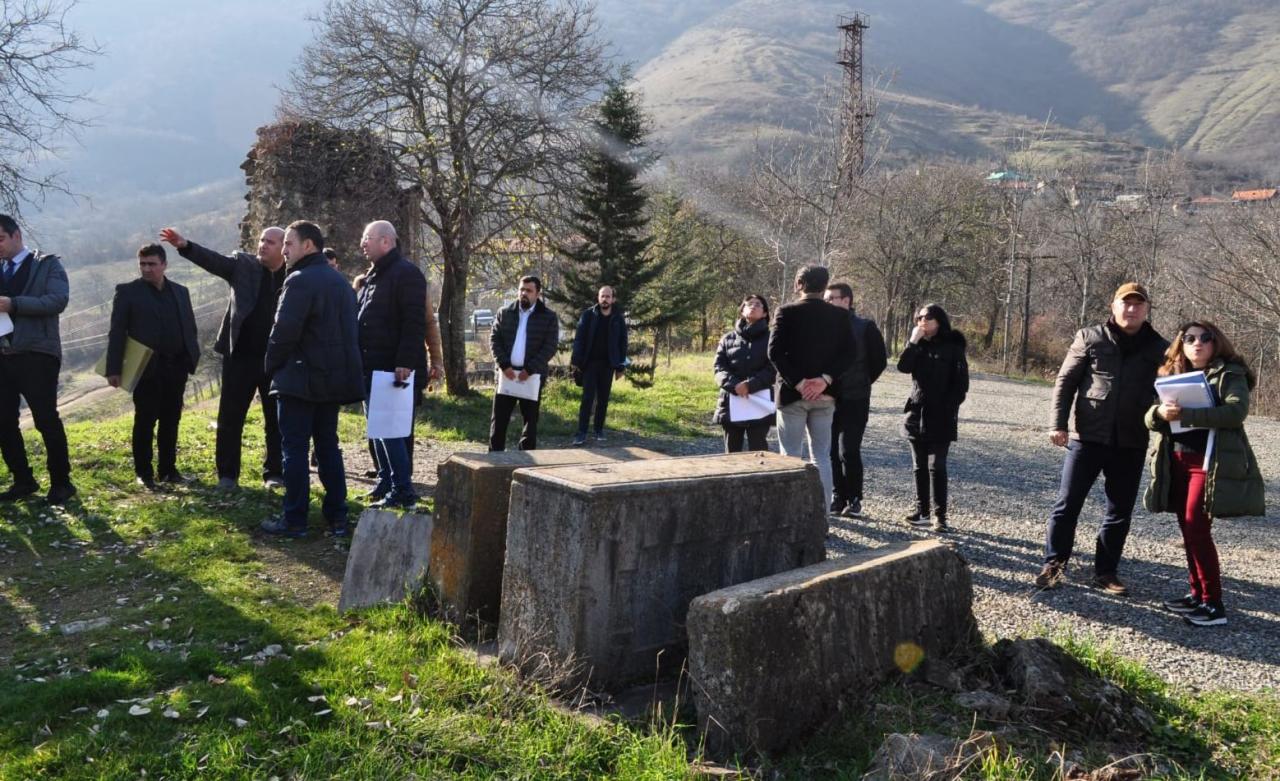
[
  {"x": 470, "y": 535},
  {"x": 603, "y": 560},
  {"x": 388, "y": 558},
  {"x": 773, "y": 659}
]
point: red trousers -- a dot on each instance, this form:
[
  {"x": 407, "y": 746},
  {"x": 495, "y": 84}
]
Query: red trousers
[{"x": 1186, "y": 499}]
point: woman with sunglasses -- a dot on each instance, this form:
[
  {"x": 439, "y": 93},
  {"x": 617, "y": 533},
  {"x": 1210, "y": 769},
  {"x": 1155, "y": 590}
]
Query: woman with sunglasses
[
  {"x": 1182, "y": 483},
  {"x": 742, "y": 368},
  {"x": 935, "y": 359}
]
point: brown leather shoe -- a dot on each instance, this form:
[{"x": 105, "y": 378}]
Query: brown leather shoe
[
  {"x": 1110, "y": 584},
  {"x": 1051, "y": 575}
]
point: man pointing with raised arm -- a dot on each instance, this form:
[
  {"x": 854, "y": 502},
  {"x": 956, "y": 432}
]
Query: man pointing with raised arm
[{"x": 242, "y": 342}]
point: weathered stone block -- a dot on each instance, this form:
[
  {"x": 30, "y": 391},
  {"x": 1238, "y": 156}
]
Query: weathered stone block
[
  {"x": 603, "y": 560},
  {"x": 470, "y": 535},
  {"x": 772, "y": 659},
  {"x": 387, "y": 560}
]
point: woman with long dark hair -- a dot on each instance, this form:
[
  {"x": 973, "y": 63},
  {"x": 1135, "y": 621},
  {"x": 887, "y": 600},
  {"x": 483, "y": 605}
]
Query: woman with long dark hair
[
  {"x": 1198, "y": 482},
  {"x": 935, "y": 359},
  {"x": 742, "y": 368}
]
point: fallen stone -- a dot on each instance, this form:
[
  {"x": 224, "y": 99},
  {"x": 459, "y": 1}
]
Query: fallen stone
[
  {"x": 86, "y": 625},
  {"x": 388, "y": 558},
  {"x": 469, "y": 540},
  {"x": 603, "y": 560},
  {"x": 986, "y": 704},
  {"x": 927, "y": 757},
  {"x": 774, "y": 659}
]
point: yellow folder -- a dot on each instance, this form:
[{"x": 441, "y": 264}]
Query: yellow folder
[{"x": 136, "y": 357}]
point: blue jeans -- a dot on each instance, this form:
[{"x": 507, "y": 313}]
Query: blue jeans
[
  {"x": 300, "y": 422},
  {"x": 391, "y": 456},
  {"x": 1121, "y": 468}
]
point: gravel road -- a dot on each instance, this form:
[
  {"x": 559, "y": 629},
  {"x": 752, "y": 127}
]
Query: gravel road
[{"x": 1004, "y": 479}]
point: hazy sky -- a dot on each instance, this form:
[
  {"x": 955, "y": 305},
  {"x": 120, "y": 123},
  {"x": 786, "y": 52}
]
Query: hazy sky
[{"x": 180, "y": 88}]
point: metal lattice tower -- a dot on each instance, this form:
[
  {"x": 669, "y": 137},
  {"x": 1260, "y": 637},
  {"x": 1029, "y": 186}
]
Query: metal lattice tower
[{"x": 855, "y": 113}]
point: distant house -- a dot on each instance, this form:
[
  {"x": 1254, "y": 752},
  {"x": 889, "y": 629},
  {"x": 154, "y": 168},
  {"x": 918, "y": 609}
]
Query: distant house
[{"x": 1255, "y": 196}]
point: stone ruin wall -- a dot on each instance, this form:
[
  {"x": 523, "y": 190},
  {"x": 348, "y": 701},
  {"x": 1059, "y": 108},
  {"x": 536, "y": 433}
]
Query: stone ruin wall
[{"x": 340, "y": 179}]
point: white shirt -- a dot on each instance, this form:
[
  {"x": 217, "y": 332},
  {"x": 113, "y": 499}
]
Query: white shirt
[
  {"x": 522, "y": 337},
  {"x": 17, "y": 259}
]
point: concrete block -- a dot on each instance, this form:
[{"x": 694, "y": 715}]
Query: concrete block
[
  {"x": 771, "y": 660},
  {"x": 470, "y": 536},
  {"x": 603, "y": 560},
  {"x": 387, "y": 560}
]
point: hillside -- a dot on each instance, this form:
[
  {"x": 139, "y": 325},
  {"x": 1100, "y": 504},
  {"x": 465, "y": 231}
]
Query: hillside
[{"x": 1198, "y": 76}]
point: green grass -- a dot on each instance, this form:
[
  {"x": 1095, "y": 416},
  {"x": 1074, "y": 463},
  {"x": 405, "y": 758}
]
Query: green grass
[
  {"x": 194, "y": 596},
  {"x": 191, "y": 592},
  {"x": 679, "y": 405}
]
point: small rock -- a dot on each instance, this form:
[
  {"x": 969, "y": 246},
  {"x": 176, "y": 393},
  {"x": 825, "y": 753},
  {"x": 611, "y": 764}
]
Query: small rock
[{"x": 86, "y": 625}]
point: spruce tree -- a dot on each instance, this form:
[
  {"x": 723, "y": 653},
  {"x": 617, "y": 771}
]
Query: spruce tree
[{"x": 609, "y": 239}]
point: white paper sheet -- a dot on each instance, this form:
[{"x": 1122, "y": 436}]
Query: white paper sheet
[
  {"x": 521, "y": 390},
  {"x": 755, "y": 406},
  {"x": 390, "y": 408},
  {"x": 6, "y": 324},
  {"x": 1190, "y": 390}
]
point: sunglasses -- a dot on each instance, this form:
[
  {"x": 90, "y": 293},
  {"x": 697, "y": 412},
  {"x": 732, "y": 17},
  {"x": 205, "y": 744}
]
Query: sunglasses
[{"x": 1205, "y": 338}]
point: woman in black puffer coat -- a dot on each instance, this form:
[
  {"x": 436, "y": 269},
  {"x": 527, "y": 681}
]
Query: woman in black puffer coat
[
  {"x": 939, "y": 372},
  {"x": 743, "y": 368}
]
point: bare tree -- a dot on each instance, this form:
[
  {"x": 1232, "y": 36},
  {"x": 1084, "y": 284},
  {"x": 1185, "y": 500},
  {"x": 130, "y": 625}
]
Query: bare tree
[
  {"x": 37, "y": 51},
  {"x": 478, "y": 99}
]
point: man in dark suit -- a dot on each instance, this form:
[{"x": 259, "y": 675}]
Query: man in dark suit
[
  {"x": 33, "y": 293},
  {"x": 524, "y": 339},
  {"x": 256, "y": 281},
  {"x": 313, "y": 360},
  {"x": 157, "y": 313},
  {"x": 810, "y": 345}
]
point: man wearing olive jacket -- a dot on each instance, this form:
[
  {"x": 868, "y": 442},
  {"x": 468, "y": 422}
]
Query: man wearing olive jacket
[
  {"x": 313, "y": 360},
  {"x": 1109, "y": 373}
]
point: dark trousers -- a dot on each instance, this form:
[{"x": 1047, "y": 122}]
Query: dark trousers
[
  {"x": 929, "y": 463},
  {"x": 756, "y": 436},
  {"x": 157, "y": 409},
  {"x": 597, "y": 384},
  {"x": 501, "y": 418},
  {"x": 1186, "y": 499},
  {"x": 1121, "y": 468},
  {"x": 241, "y": 378},
  {"x": 847, "y": 429},
  {"x": 34, "y": 377},
  {"x": 302, "y": 421}
]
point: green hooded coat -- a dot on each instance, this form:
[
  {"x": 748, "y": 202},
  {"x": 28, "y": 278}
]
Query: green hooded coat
[{"x": 1233, "y": 485}]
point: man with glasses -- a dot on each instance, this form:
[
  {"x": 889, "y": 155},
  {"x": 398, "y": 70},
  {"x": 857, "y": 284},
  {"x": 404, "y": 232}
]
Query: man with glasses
[
  {"x": 853, "y": 404},
  {"x": 810, "y": 345},
  {"x": 155, "y": 312},
  {"x": 1109, "y": 374}
]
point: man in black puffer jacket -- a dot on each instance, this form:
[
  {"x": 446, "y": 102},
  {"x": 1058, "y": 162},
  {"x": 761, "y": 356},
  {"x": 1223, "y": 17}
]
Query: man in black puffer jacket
[
  {"x": 1109, "y": 373},
  {"x": 392, "y": 305},
  {"x": 313, "y": 360},
  {"x": 524, "y": 339}
]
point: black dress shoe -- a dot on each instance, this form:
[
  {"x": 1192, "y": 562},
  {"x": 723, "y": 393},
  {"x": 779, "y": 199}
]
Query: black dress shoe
[
  {"x": 18, "y": 490},
  {"x": 59, "y": 494},
  {"x": 145, "y": 482}
]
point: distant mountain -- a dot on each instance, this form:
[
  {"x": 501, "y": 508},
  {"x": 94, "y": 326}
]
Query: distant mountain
[{"x": 1199, "y": 75}]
